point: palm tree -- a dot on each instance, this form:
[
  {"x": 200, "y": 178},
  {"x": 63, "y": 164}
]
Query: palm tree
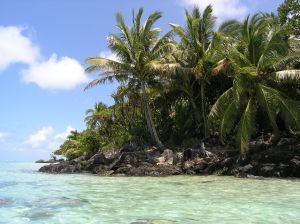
[
  {"x": 141, "y": 57},
  {"x": 95, "y": 116},
  {"x": 197, "y": 55},
  {"x": 73, "y": 135},
  {"x": 258, "y": 51}
]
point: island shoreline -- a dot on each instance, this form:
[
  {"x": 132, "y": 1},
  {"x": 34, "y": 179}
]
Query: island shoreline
[{"x": 262, "y": 160}]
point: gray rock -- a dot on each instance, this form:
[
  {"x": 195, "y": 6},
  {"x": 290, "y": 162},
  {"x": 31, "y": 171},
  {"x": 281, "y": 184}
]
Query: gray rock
[
  {"x": 267, "y": 169},
  {"x": 166, "y": 158},
  {"x": 246, "y": 169}
]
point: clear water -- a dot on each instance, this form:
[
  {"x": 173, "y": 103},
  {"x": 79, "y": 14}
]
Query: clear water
[{"x": 27, "y": 196}]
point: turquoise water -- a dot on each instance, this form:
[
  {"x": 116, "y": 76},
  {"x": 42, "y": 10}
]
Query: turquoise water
[{"x": 27, "y": 196}]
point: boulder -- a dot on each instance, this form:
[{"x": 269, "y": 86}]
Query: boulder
[
  {"x": 166, "y": 158},
  {"x": 246, "y": 169},
  {"x": 227, "y": 162},
  {"x": 188, "y": 164},
  {"x": 283, "y": 170},
  {"x": 64, "y": 167},
  {"x": 98, "y": 159},
  {"x": 267, "y": 169},
  {"x": 295, "y": 165},
  {"x": 286, "y": 141},
  {"x": 129, "y": 148},
  {"x": 147, "y": 169},
  {"x": 257, "y": 146},
  {"x": 132, "y": 158},
  {"x": 200, "y": 165},
  {"x": 80, "y": 159}
]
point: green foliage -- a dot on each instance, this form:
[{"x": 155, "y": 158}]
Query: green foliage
[
  {"x": 197, "y": 53},
  {"x": 142, "y": 56},
  {"x": 258, "y": 54},
  {"x": 86, "y": 143},
  {"x": 289, "y": 13},
  {"x": 245, "y": 74}
]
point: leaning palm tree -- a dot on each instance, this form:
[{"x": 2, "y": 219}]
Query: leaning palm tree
[
  {"x": 197, "y": 54},
  {"x": 141, "y": 56},
  {"x": 259, "y": 53}
]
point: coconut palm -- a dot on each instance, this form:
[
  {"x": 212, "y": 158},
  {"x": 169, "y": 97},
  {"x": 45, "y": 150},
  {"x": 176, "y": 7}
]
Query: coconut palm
[
  {"x": 197, "y": 54},
  {"x": 97, "y": 115},
  {"x": 141, "y": 57},
  {"x": 259, "y": 52}
]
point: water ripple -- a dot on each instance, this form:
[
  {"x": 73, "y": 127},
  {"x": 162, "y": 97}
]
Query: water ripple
[{"x": 31, "y": 197}]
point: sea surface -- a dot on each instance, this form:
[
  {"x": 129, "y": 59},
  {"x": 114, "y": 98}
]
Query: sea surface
[{"x": 27, "y": 196}]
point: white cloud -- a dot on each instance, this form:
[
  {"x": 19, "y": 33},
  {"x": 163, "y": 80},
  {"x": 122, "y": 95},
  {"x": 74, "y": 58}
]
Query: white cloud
[
  {"x": 109, "y": 55},
  {"x": 3, "y": 136},
  {"x": 15, "y": 47},
  {"x": 55, "y": 73},
  {"x": 223, "y": 9},
  {"x": 64, "y": 73},
  {"x": 40, "y": 137},
  {"x": 47, "y": 139},
  {"x": 63, "y": 136}
]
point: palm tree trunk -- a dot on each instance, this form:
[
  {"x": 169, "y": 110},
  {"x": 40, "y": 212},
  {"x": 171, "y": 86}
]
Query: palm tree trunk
[
  {"x": 196, "y": 111},
  {"x": 276, "y": 133},
  {"x": 149, "y": 120},
  {"x": 203, "y": 107}
]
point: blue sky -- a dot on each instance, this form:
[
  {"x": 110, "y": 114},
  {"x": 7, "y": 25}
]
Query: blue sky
[{"x": 42, "y": 47}]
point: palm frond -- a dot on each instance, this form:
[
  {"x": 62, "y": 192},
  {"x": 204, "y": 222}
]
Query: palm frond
[
  {"x": 180, "y": 32},
  {"x": 124, "y": 29},
  {"x": 149, "y": 23},
  {"x": 288, "y": 76},
  {"x": 137, "y": 20},
  {"x": 276, "y": 48},
  {"x": 231, "y": 28},
  {"x": 289, "y": 60},
  {"x": 99, "y": 81},
  {"x": 228, "y": 120},
  {"x": 164, "y": 43},
  {"x": 218, "y": 109},
  {"x": 267, "y": 98},
  {"x": 289, "y": 110},
  {"x": 221, "y": 66},
  {"x": 246, "y": 126},
  {"x": 100, "y": 63}
]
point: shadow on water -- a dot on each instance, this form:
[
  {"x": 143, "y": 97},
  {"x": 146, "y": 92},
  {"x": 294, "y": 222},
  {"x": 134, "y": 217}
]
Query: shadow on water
[
  {"x": 38, "y": 215},
  {"x": 47, "y": 207},
  {"x": 6, "y": 202},
  {"x": 8, "y": 184}
]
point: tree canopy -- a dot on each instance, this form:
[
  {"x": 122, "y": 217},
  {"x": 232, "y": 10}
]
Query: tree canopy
[{"x": 195, "y": 81}]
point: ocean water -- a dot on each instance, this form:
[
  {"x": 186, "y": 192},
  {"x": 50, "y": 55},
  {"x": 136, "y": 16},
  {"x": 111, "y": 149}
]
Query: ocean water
[{"x": 27, "y": 196}]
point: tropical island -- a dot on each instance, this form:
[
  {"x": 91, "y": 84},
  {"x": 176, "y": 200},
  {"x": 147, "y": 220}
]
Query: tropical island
[{"x": 198, "y": 99}]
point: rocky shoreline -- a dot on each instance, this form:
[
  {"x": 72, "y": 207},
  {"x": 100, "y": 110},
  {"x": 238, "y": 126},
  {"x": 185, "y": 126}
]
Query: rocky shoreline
[
  {"x": 262, "y": 159},
  {"x": 49, "y": 161}
]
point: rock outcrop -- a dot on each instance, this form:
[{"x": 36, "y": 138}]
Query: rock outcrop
[{"x": 262, "y": 159}]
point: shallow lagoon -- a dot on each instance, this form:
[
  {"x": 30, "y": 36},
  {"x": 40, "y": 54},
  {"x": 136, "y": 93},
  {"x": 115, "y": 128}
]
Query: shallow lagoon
[{"x": 27, "y": 196}]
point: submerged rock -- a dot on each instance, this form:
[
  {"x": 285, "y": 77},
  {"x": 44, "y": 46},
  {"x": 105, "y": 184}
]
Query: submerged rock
[{"x": 5, "y": 202}]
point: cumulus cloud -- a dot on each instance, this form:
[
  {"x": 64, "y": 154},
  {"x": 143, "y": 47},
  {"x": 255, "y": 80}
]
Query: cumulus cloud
[
  {"x": 109, "y": 55},
  {"x": 3, "y": 136},
  {"x": 47, "y": 139},
  {"x": 56, "y": 73},
  {"x": 223, "y": 9},
  {"x": 15, "y": 47},
  {"x": 40, "y": 137},
  {"x": 63, "y": 136}
]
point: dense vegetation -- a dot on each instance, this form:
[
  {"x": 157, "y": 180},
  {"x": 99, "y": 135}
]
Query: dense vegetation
[{"x": 195, "y": 81}]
